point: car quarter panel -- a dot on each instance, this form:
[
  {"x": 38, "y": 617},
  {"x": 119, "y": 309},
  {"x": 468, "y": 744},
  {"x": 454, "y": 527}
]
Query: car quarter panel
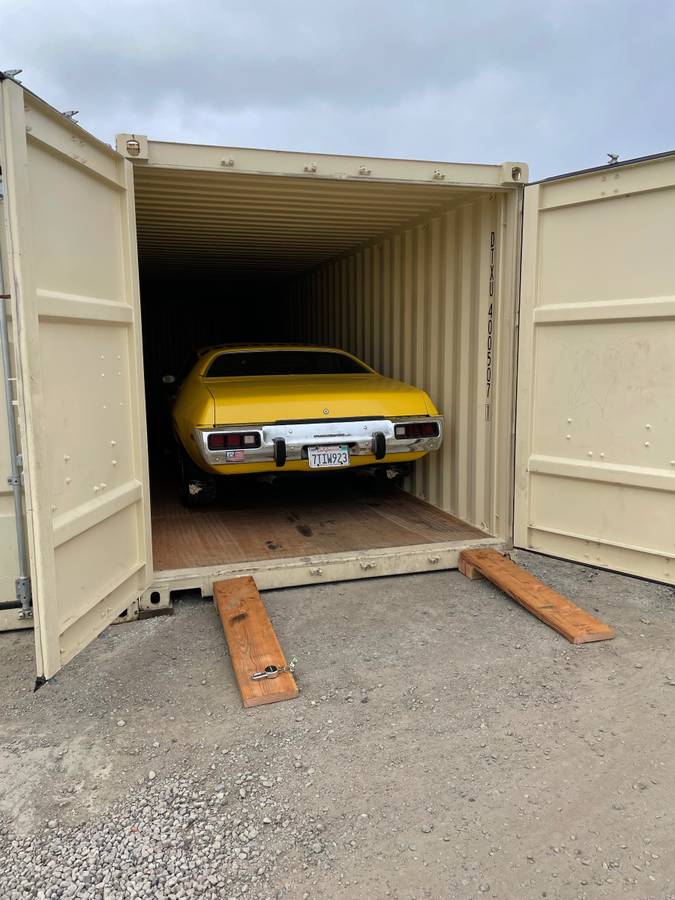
[{"x": 194, "y": 407}]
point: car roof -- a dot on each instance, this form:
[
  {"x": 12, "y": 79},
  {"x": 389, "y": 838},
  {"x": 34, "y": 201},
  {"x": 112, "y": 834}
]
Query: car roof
[{"x": 231, "y": 348}]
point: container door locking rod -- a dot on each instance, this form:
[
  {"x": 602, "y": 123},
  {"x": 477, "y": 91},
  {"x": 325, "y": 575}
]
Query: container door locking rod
[{"x": 24, "y": 600}]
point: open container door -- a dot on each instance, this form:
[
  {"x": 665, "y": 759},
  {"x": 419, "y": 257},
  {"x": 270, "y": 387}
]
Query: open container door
[
  {"x": 69, "y": 229},
  {"x": 595, "y": 449}
]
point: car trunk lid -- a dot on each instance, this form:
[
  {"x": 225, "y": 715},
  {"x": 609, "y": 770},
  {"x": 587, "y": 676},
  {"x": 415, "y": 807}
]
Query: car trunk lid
[{"x": 265, "y": 400}]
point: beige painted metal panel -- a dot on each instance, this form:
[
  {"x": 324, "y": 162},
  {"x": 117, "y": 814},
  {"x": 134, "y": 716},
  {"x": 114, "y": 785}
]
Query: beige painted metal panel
[
  {"x": 70, "y": 235},
  {"x": 195, "y": 157},
  {"x": 595, "y": 464},
  {"x": 434, "y": 305},
  {"x": 271, "y": 574}
]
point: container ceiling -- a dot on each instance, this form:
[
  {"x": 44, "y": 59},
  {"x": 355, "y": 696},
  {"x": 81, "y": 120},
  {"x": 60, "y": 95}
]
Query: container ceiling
[{"x": 276, "y": 225}]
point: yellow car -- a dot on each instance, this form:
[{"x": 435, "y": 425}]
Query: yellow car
[{"x": 285, "y": 408}]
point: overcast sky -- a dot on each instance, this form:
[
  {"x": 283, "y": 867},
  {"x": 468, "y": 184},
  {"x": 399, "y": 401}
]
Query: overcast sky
[{"x": 554, "y": 84}]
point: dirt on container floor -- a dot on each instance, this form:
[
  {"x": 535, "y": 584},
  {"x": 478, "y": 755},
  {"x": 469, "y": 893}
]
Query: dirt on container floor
[{"x": 445, "y": 744}]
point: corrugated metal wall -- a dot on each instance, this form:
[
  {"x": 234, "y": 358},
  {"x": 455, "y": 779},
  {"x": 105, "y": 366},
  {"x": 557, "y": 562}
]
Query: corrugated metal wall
[{"x": 434, "y": 305}]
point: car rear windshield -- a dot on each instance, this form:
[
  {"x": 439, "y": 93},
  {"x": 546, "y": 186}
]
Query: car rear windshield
[{"x": 283, "y": 362}]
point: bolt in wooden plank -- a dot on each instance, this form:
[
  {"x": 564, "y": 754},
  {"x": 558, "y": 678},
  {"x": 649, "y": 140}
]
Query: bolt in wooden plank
[
  {"x": 555, "y": 610},
  {"x": 252, "y": 642}
]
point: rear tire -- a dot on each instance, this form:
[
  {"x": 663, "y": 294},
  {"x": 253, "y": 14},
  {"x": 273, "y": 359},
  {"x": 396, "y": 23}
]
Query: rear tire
[{"x": 195, "y": 487}]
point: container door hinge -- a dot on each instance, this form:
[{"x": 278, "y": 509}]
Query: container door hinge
[
  {"x": 24, "y": 595},
  {"x": 14, "y": 480}
]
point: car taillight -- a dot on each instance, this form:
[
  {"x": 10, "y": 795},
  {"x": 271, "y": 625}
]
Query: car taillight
[
  {"x": 235, "y": 440},
  {"x": 416, "y": 430}
]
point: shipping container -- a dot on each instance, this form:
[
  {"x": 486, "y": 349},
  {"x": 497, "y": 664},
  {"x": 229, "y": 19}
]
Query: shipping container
[{"x": 121, "y": 262}]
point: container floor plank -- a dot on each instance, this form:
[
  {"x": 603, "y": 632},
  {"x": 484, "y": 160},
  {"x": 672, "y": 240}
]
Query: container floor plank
[
  {"x": 294, "y": 518},
  {"x": 252, "y": 642},
  {"x": 555, "y": 610}
]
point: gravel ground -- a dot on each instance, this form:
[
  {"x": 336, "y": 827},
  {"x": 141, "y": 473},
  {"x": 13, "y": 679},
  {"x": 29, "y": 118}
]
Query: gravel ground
[{"x": 445, "y": 745}]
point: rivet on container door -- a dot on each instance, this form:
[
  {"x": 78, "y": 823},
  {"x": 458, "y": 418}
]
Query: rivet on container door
[
  {"x": 364, "y": 170},
  {"x": 310, "y": 167}
]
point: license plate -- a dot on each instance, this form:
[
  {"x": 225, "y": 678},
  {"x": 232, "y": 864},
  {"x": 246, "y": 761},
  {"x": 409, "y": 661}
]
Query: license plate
[{"x": 328, "y": 457}]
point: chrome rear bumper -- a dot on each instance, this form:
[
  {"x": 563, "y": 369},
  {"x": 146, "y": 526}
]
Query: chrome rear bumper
[{"x": 372, "y": 437}]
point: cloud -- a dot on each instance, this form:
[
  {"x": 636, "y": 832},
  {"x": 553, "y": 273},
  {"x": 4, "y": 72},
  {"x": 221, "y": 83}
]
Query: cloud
[{"x": 556, "y": 84}]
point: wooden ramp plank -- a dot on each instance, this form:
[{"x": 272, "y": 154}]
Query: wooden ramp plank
[
  {"x": 555, "y": 610},
  {"x": 252, "y": 641}
]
